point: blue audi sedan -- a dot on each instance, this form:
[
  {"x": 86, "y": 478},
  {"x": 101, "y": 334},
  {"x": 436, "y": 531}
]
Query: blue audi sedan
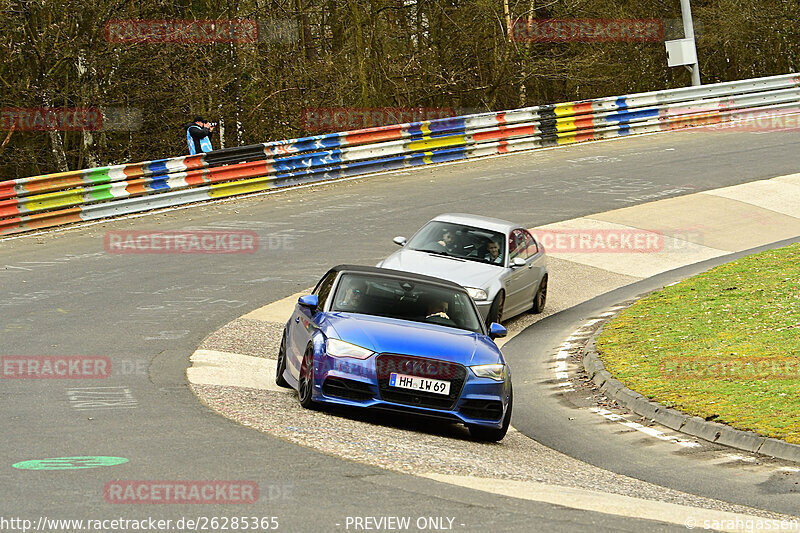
[{"x": 380, "y": 338}]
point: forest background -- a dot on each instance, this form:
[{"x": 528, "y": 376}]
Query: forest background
[{"x": 447, "y": 56}]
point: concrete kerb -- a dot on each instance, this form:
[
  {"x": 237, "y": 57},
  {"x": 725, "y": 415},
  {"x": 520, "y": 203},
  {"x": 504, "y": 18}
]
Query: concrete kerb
[{"x": 691, "y": 425}]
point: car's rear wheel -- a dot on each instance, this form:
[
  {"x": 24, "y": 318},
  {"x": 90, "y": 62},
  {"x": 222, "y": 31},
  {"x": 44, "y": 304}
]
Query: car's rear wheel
[
  {"x": 279, "y": 379},
  {"x": 306, "y": 383},
  {"x": 496, "y": 310},
  {"x": 540, "y": 299},
  {"x": 494, "y": 434}
]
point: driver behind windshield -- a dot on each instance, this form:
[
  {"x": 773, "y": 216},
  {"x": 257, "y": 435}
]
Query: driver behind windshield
[
  {"x": 352, "y": 299},
  {"x": 437, "y": 308},
  {"x": 448, "y": 241}
]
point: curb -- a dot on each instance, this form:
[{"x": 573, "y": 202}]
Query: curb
[{"x": 690, "y": 425}]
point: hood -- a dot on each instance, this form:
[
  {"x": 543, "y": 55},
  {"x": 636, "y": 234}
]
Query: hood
[
  {"x": 465, "y": 273},
  {"x": 390, "y": 335}
]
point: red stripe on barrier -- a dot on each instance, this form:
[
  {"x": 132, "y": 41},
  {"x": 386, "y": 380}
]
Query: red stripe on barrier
[
  {"x": 134, "y": 171},
  {"x": 373, "y": 136},
  {"x": 588, "y": 136},
  {"x": 53, "y": 182},
  {"x": 504, "y": 132},
  {"x": 500, "y": 118},
  {"x": 194, "y": 161},
  {"x": 503, "y": 148},
  {"x": 7, "y": 190},
  {"x": 11, "y": 225},
  {"x": 242, "y": 170},
  {"x": 46, "y": 220},
  {"x": 137, "y": 187},
  {"x": 9, "y": 208},
  {"x": 196, "y": 177},
  {"x": 584, "y": 123},
  {"x": 585, "y": 107}
]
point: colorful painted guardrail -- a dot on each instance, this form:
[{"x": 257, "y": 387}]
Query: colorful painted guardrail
[{"x": 82, "y": 195}]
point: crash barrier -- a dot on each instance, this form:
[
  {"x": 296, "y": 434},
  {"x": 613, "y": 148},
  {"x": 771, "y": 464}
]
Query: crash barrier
[{"x": 83, "y": 195}]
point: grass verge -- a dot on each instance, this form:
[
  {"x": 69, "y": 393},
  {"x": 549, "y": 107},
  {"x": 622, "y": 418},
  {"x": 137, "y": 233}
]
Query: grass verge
[{"x": 723, "y": 345}]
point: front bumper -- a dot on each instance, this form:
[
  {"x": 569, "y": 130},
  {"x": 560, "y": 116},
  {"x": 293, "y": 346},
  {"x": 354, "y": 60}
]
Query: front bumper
[{"x": 363, "y": 383}]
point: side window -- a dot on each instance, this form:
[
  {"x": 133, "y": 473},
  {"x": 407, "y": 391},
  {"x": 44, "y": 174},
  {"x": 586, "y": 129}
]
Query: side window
[
  {"x": 324, "y": 288},
  {"x": 517, "y": 245},
  {"x": 530, "y": 244}
]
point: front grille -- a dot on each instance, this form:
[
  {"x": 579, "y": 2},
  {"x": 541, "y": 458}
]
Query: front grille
[
  {"x": 347, "y": 389},
  {"x": 482, "y": 409},
  {"x": 386, "y": 364}
]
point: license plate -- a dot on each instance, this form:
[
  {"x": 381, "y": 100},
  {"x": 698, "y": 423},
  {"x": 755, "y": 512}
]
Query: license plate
[{"x": 404, "y": 381}]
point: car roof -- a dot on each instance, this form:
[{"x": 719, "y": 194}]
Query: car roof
[
  {"x": 388, "y": 272},
  {"x": 494, "y": 224}
]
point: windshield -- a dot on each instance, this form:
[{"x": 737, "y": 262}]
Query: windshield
[
  {"x": 463, "y": 242},
  {"x": 407, "y": 300}
]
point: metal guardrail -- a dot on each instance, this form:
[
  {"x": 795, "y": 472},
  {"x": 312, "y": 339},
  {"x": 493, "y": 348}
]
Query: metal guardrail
[{"x": 91, "y": 194}]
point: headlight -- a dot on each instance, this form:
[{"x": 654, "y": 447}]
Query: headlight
[
  {"x": 338, "y": 348},
  {"x": 495, "y": 372},
  {"x": 476, "y": 294}
]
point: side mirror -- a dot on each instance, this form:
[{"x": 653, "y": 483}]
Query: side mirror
[
  {"x": 496, "y": 330},
  {"x": 309, "y": 301},
  {"x": 518, "y": 262},
  {"x": 400, "y": 241}
]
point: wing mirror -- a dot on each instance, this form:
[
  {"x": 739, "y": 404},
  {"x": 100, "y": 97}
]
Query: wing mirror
[
  {"x": 309, "y": 301},
  {"x": 518, "y": 262},
  {"x": 400, "y": 241},
  {"x": 497, "y": 330}
]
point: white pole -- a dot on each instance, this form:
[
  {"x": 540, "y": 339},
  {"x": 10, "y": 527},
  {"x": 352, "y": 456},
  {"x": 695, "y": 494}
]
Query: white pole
[{"x": 688, "y": 33}]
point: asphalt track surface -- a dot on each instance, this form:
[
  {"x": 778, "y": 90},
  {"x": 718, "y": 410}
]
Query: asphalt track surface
[{"x": 64, "y": 295}]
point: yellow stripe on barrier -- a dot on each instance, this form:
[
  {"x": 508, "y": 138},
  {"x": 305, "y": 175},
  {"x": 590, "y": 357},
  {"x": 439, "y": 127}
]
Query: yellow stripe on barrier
[
  {"x": 232, "y": 188},
  {"x": 436, "y": 142},
  {"x": 427, "y": 157},
  {"x": 565, "y": 124},
  {"x": 564, "y": 110},
  {"x": 425, "y": 128},
  {"x": 43, "y": 202}
]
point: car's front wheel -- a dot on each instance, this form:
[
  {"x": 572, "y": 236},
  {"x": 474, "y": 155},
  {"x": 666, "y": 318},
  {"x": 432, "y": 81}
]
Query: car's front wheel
[
  {"x": 279, "y": 379},
  {"x": 496, "y": 310},
  {"x": 541, "y": 297},
  {"x": 494, "y": 434},
  {"x": 306, "y": 383}
]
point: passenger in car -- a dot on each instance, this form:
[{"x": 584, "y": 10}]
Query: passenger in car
[{"x": 493, "y": 253}]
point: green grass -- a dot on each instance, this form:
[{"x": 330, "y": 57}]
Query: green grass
[{"x": 724, "y": 345}]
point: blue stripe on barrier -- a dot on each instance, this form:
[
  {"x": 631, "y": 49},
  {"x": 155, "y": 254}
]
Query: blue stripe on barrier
[
  {"x": 156, "y": 167},
  {"x": 622, "y": 102},
  {"x": 295, "y": 162},
  {"x": 448, "y": 124},
  {"x": 627, "y": 116},
  {"x": 159, "y": 182}
]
